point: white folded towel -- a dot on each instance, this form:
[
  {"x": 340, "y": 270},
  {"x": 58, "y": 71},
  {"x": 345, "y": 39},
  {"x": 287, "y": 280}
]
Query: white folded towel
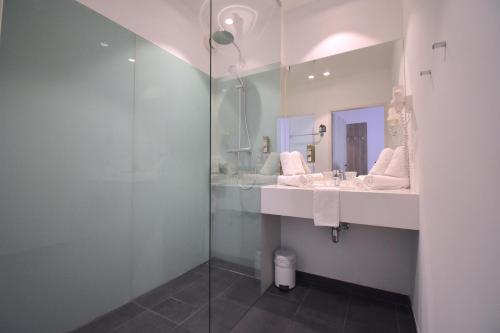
[
  {"x": 300, "y": 180},
  {"x": 303, "y": 161},
  {"x": 398, "y": 165},
  {"x": 271, "y": 165},
  {"x": 378, "y": 182},
  {"x": 326, "y": 207},
  {"x": 291, "y": 164},
  {"x": 382, "y": 163},
  {"x": 358, "y": 182}
]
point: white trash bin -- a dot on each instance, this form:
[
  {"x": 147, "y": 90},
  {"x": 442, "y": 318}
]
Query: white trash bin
[{"x": 285, "y": 262}]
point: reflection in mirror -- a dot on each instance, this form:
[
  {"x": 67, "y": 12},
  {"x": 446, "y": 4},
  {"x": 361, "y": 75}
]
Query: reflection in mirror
[
  {"x": 350, "y": 93},
  {"x": 358, "y": 138}
]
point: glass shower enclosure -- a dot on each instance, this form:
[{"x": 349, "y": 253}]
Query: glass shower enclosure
[
  {"x": 131, "y": 162},
  {"x": 246, "y": 96}
]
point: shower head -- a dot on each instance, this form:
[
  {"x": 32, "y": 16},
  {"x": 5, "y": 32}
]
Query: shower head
[{"x": 223, "y": 37}]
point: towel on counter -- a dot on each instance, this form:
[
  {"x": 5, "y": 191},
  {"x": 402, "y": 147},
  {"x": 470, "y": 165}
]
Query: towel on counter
[
  {"x": 300, "y": 180},
  {"x": 291, "y": 164},
  {"x": 326, "y": 207},
  {"x": 304, "y": 164},
  {"x": 398, "y": 167},
  {"x": 359, "y": 183},
  {"x": 271, "y": 165},
  {"x": 382, "y": 163},
  {"x": 378, "y": 182}
]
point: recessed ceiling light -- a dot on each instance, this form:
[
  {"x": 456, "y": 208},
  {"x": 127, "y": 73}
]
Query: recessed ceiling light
[
  {"x": 131, "y": 59},
  {"x": 326, "y": 73},
  {"x": 310, "y": 77},
  {"x": 104, "y": 44},
  {"x": 229, "y": 21}
]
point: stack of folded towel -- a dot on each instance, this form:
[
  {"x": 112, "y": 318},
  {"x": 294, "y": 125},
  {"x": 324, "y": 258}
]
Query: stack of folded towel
[
  {"x": 295, "y": 171},
  {"x": 390, "y": 172}
]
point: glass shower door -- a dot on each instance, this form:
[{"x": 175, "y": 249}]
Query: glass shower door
[{"x": 245, "y": 106}]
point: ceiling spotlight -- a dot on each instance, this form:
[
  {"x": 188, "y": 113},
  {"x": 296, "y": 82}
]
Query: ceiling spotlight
[
  {"x": 229, "y": 21},
  {"x": 310, "y": 77},
  {"x": 131, "y": 59},
  {"x": 103, "y": 44},
  {"x": 326, "y": 74}
]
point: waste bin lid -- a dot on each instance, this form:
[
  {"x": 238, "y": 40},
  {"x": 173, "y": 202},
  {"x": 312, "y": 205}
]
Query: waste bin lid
[{"x": 285, "y": 254}]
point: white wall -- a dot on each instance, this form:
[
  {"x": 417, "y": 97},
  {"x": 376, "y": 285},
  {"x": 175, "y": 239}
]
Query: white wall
[
  {"x": 381, "y": 258},
  {"x": 458, "y": 280},
  {"x": 327, "y": 27}
]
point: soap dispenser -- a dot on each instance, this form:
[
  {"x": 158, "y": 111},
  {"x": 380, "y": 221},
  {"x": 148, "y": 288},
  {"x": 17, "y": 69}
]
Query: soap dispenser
[{"x": 311, "y": 153}]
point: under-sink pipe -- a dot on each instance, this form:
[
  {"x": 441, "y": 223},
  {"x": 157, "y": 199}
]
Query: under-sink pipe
[{"x": 336, "y": 231}]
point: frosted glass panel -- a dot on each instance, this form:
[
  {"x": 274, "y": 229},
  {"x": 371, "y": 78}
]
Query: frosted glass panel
[
  {"x": 171, "y": 167},
  {"x": 66, "y": 108},
  {"x": 103, "y": 166}
]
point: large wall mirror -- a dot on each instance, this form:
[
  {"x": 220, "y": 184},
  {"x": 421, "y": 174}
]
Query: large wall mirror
[{"x": 350, "y": 93}]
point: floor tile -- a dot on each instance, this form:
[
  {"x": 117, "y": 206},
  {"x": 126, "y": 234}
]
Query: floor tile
[
  {"x": 244, "y": 291},
  {"x": 296, "y": 327},
  {"x": 249, "y": 271},
  {"x": 261, "y": 321},
  {"x": 221, "y": 280},
  {"x": 296, "y": 294},
  {"x": 322, "y": 310},
  {"x": 406, "y": 321},
  {"x": 174, "y": 310},
  {"x": 356, "y": 327},
  {"x": 163, "y": 292},
  {"x": 201, "y": 269},
  {"x": 181, "y": 329},
  {"x": 277, "y": 305},
  {"x": 112, "y": 319},
  {"x": 382, "y": 295},
  {"x": 147, "y": 322},
  {"x": 379, "y": 315},
  {"x": 195, "y": 294},
  {"x": 225, "y": 314}
]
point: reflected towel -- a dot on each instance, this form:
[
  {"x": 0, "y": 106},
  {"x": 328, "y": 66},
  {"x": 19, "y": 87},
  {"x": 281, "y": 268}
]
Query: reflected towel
[
  {"x": 271, "y": 165},
  {"x": 326, "y": 207},
  {"x": 377, "y": 182},
  {"x": 291, "y": 164},
  {"x": 300, "y": 180},
  {"x": 303, "y": 162},
  {"x": 359, "y": 183},
  {"x": 382, "y": 163}
]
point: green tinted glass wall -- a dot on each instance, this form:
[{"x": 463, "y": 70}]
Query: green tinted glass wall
[{"x": 103, "y": 195}]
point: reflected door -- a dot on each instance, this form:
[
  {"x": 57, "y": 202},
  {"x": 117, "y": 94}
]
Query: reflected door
[{"x": 357, "y": 148}]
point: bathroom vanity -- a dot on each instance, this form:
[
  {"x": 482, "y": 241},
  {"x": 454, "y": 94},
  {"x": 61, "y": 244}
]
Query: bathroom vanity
[
  {"x": 396, "y": 211},
  {"x": 393, "y": 209}
]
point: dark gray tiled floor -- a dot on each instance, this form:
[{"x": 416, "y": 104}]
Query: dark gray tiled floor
[{"x": 182, "y": 306}]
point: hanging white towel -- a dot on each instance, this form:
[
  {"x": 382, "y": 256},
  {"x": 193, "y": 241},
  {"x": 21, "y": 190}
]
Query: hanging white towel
[{"x": 326, "y": 207}]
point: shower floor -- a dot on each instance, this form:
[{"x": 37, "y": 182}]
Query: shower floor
[{"x": 181, "y": 306}]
